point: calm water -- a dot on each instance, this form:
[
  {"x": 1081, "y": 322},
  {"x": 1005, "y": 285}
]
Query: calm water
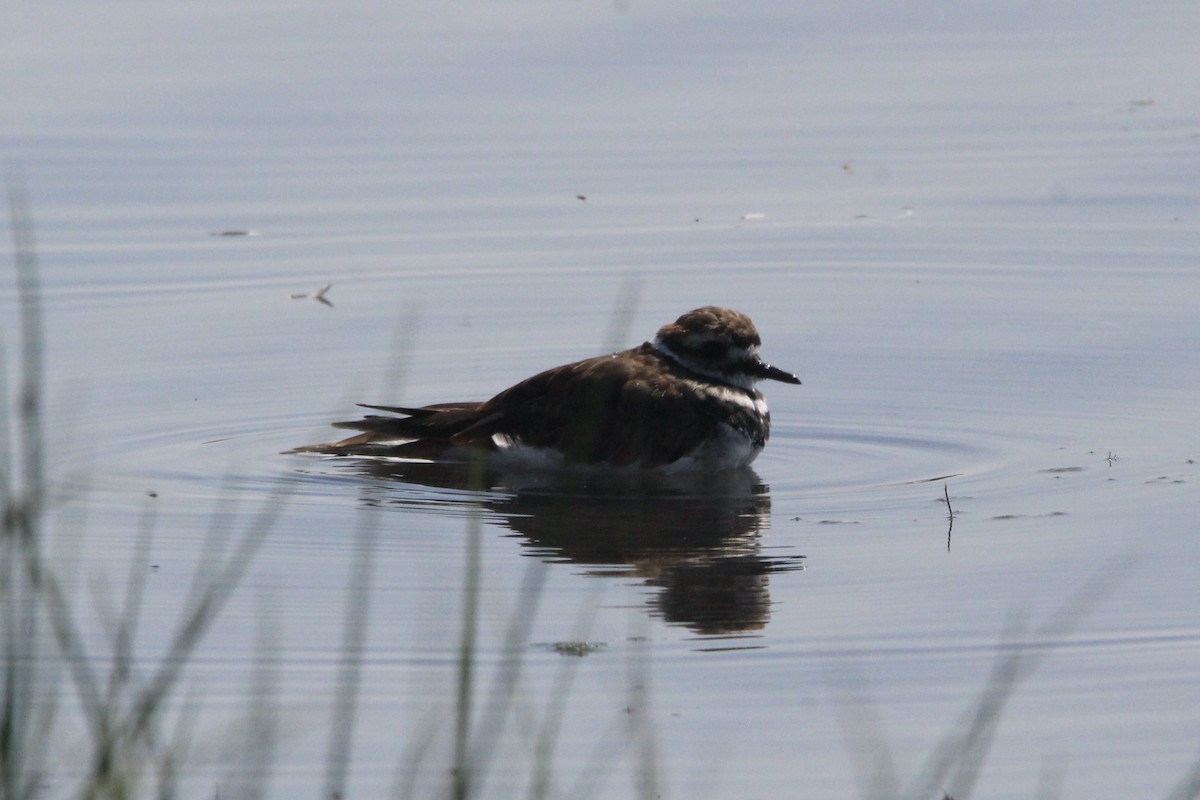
[{"x": 973, "y": 233}]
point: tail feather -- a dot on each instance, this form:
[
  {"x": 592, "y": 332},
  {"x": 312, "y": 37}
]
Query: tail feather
[
  {"x": 368, "y": 444},
  {"x": 423, "y": 411},
  {"x": 417, "y": 432}
]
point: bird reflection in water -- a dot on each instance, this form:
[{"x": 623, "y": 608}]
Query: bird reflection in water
[{"x": 694, "y": 537}]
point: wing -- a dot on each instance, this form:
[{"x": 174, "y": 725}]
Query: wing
[
  {"x": 619, "y": 410},
  {"x": 630, "y": 409}
]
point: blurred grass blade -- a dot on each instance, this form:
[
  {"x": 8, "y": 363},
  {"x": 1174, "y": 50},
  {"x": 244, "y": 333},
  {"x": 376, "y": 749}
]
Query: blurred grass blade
[{"x": 354, "y": 634}]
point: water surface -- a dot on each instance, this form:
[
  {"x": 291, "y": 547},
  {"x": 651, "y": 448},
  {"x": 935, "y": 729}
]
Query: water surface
[{"x": 972, "y": 232}]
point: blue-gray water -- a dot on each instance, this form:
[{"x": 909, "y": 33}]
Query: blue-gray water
[{"x": 972, "y": 230}]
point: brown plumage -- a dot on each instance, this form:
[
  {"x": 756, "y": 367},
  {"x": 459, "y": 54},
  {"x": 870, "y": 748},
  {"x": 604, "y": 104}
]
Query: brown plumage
[{"x": 651, "y": 406}]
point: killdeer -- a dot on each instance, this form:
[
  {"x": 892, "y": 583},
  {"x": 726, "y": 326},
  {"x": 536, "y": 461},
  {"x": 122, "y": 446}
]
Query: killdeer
[{"x": 685, "y": 400}]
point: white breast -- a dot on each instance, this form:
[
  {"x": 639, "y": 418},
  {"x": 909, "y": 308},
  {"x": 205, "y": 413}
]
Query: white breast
[{"x": 728, "y": 449}]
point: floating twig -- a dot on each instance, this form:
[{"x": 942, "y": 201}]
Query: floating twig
[
  {"x": 318, "y": 295},
  {"x": 950, "y": 511}
]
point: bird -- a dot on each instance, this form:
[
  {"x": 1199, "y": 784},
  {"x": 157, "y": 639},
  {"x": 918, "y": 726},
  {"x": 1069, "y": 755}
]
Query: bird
[{"x": 685, "y": 400}]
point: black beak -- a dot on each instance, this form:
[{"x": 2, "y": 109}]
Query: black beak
[{"x": 763, "y": 371}]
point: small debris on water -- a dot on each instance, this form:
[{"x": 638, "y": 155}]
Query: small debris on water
[
  {"x": 318, "y": 295},
  {"x": 577, "y": 649}
]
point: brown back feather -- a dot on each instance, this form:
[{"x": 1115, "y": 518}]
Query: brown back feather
[{"x": 601, "y": 409}]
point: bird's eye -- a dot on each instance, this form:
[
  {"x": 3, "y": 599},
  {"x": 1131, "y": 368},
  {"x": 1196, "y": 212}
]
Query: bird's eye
[{"x": 712, "y": 351}]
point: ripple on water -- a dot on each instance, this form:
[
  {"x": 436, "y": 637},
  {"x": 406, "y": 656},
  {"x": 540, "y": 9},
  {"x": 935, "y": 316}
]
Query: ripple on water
[{"x": 804, "y": 461}]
